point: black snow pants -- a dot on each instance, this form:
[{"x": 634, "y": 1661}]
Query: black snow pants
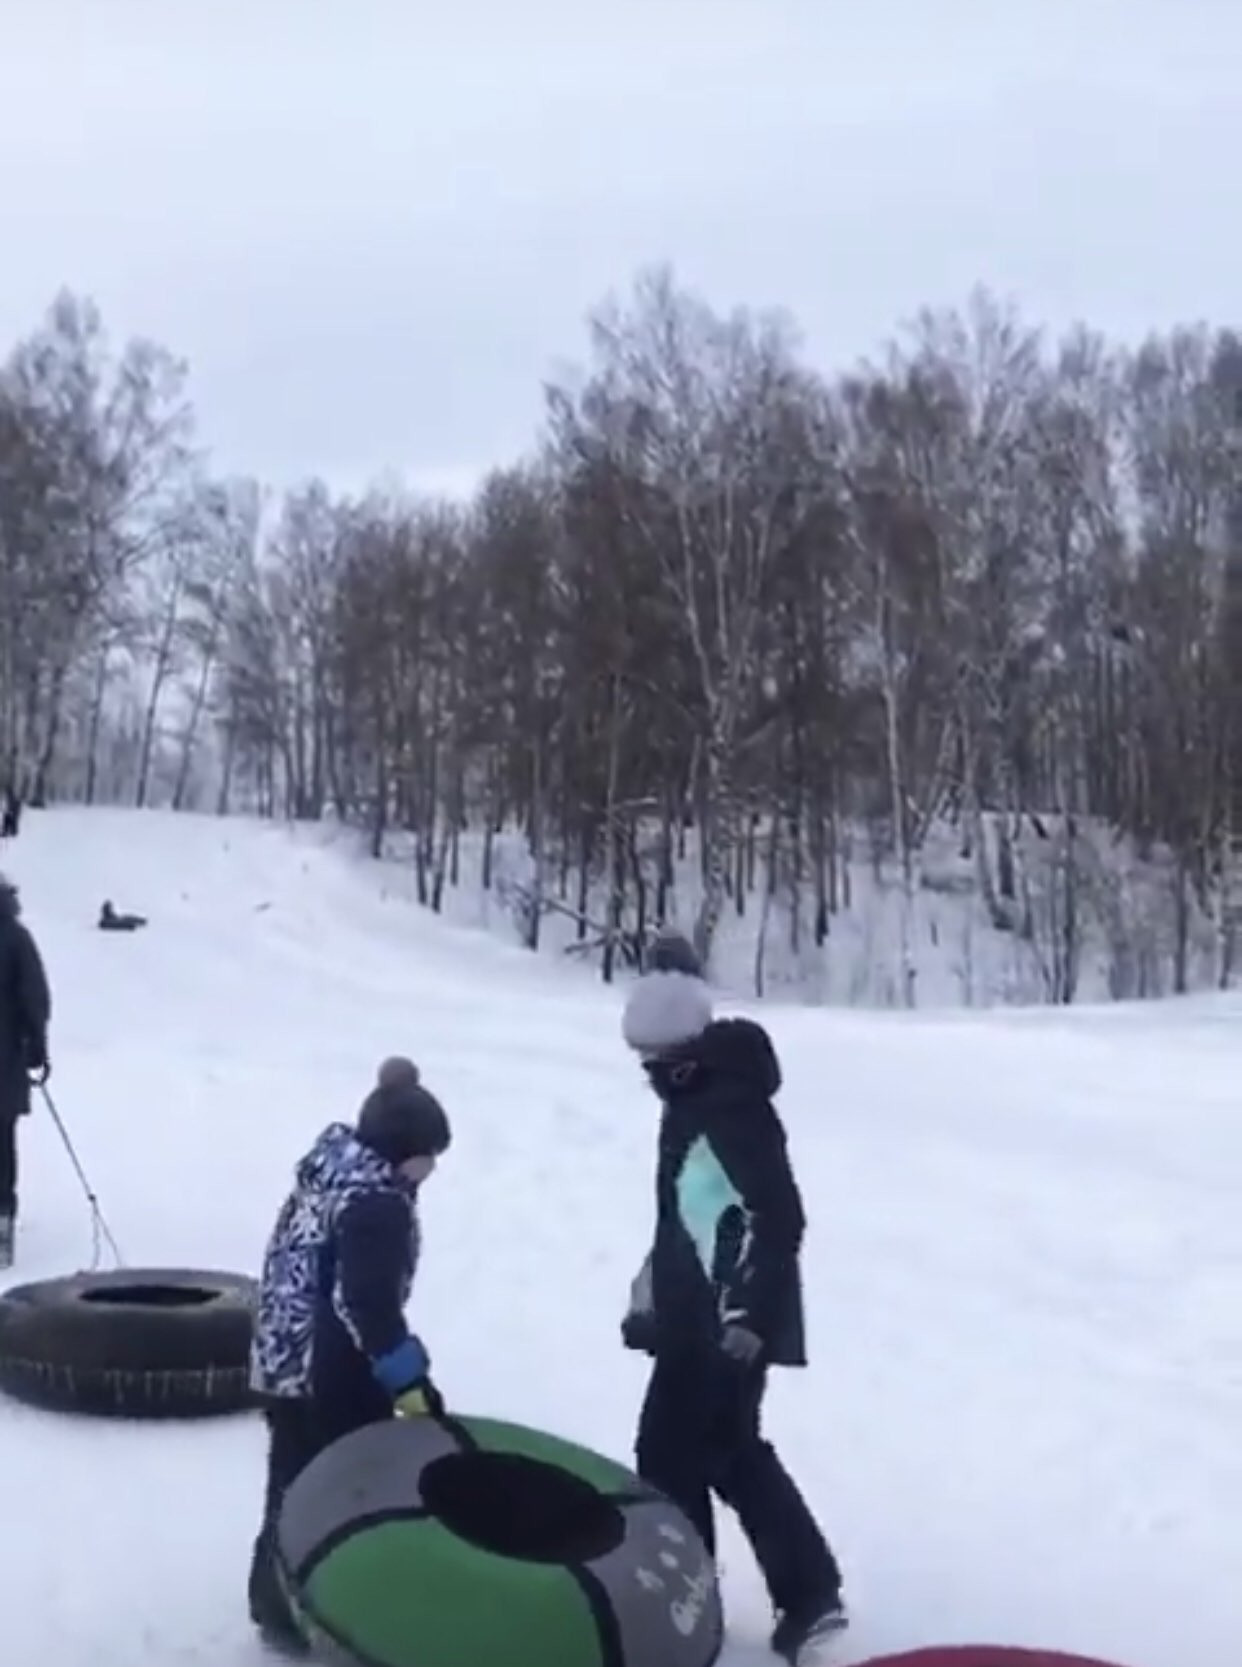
[
  {"x": 8, "y": 1165},
  {"x": 297, "y": 1432},
  {"x": 699, "y": 1433}
]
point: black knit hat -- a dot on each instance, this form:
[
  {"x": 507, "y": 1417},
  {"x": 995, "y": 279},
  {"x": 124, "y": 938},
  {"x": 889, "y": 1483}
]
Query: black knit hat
[
  {"x": 399, "y": 1119},
  {"x": 672, "y": 951}
]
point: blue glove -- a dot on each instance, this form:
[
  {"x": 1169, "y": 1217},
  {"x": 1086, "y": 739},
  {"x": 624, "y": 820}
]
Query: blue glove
[{"x": 404, "y": 1367}]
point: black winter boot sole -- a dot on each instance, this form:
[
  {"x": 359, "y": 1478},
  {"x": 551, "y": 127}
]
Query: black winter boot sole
[
  {"x": 798, "y": 1641},
  {"x": 283, "y": 1638}
]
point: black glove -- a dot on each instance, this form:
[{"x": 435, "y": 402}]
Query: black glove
[
  {"x": 638, "y": 1331},
  {"x": 38, "y": 1066},
  {"x": 638, "y": 1328},
  {"x": 741, "y": 1344}
]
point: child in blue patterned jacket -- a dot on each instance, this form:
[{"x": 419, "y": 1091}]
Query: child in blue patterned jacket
[{"x": 332, "y": 1351}]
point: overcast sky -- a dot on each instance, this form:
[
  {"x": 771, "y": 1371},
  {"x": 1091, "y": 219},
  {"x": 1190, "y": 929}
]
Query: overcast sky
[{"x": 373, "y": 226}]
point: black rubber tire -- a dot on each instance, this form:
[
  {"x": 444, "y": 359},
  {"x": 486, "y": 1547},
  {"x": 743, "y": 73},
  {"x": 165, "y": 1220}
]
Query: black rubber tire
[{"x": 137, "y": 1343}]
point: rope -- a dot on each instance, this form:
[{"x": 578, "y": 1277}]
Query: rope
[{"x": 101, "y": 1233}]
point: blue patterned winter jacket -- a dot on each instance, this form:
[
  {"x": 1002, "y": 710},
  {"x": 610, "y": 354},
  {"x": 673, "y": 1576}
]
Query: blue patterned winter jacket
[{"x": 337, "y": 1275}]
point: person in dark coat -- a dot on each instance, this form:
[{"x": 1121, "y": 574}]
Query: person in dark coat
[
  {"x": 25, "y": 1016},
  {"x": 332, "y": 1350},
  {"x": 719, "y": 1300},
  {"x": 11, "y": 820}
]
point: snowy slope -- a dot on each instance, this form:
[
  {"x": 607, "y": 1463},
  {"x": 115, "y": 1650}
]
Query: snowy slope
[
  {"x": 1024, "y": 1269},
  {"x": 1125, "y": 919}
]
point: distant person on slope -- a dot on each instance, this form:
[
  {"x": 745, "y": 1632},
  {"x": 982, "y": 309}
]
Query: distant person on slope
[
  {"x": 332, "y": 1350},
  {"x": 110, "y": 921},
  {"x": 719, "y": 1300},
  {"x": 25, "y": 1014}
]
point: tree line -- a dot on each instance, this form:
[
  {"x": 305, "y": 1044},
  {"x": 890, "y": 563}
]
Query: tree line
[{"x": 729, "y": 611}]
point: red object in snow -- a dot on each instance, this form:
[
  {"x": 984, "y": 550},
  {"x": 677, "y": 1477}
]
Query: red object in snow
[{"x": 984, "y": 1655}]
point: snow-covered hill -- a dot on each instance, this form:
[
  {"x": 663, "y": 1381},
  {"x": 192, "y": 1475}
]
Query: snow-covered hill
[
  {"x": 1091, "y": 917},
  {"x": 1021, "y": 1419}
]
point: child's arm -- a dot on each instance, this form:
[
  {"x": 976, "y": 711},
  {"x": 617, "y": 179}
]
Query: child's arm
[
  {"x": 373, "y": 1249},
  {"x": 757, "y": 1161}
]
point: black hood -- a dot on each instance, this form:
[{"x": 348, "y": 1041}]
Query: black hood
[
  {"x": 10, "y": 902},
  {"x": 730, "y": 1054}
]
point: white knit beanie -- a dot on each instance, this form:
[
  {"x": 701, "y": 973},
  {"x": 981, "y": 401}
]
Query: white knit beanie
[{"x": 671, "y": 1003}]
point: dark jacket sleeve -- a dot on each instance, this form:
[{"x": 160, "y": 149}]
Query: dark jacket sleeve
[
  {"x": 34, "y": 1000},
  {"x": 373, "y": 1255},
  {"x": 754, "y": 1154}
]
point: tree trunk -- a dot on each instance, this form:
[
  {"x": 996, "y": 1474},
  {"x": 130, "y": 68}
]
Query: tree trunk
[
  {"x": 765, "y": 910},
  {"x": 190, "y": 735},
  {"x": 159, "y": 674},
  {"x": 901, "y": 841},
  {"x": 98, "y": 691},
  {"x": 717, "y": 833}
]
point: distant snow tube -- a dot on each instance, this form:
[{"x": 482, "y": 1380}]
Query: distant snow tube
[
  {"x": 429, "y": 1543},
  {"x": 983, "y": 1655},
  {"x": 140, "y": 1343}
]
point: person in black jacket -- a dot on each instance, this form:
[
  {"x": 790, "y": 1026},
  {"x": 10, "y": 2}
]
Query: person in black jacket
[
  {"x": 110, "y": 921},
  {"x": 719, "y": 1299},
  {"x": 25, "y": 1014},
  {"x": 11, "y": 819},
  {"x": 332, "y": 1351}
]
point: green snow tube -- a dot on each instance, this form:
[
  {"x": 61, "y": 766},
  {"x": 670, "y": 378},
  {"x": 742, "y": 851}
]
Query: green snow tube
[{"x": 458, "y": 1542}]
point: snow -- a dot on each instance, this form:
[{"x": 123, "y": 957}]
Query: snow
[{"x": 1023, "y": 1270}]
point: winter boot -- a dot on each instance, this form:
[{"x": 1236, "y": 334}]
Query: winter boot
[
  {"x": 8, "y": 1237},
  {"x": 286, "y": 1640},
  {"x": 801, "y": 1639},
  {"x": 279, "y": 1630},
  {"x": 270, "y": 1609}
]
